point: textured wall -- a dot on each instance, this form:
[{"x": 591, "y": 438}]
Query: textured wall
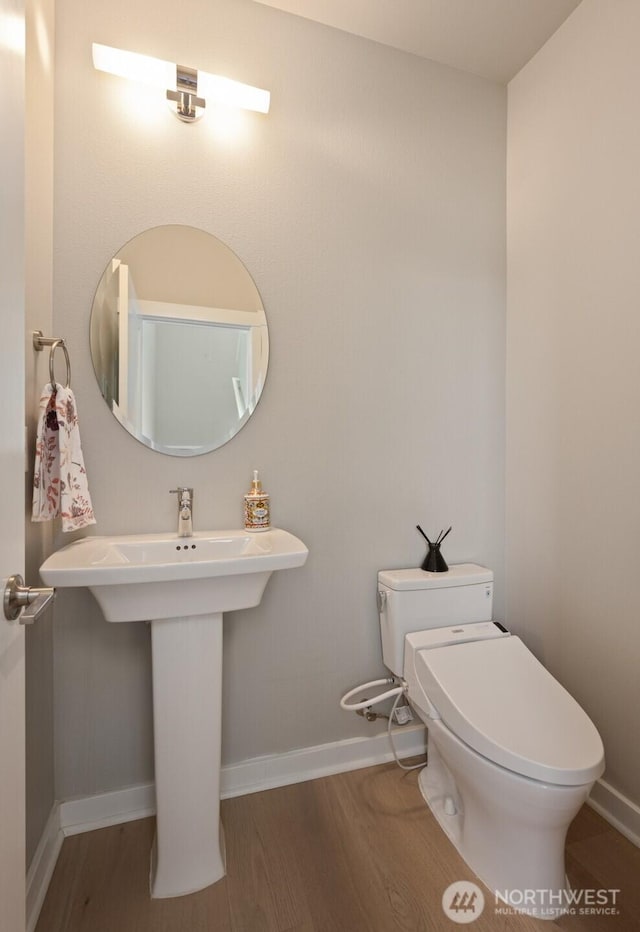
[
  {"x": 369, "y": 207},
  {"x": 573, "y": 447}
]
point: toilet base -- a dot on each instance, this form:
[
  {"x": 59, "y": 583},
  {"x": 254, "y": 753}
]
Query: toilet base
[
  {"x": 510, "y": 830},
  {"x": 437, "y": 789}
]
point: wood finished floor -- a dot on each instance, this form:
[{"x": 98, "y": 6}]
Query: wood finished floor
[{"x": 354, "y": 852}]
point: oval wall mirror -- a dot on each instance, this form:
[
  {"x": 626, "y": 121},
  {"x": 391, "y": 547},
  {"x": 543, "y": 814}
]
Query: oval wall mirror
[{"x": 179, "y": 340}]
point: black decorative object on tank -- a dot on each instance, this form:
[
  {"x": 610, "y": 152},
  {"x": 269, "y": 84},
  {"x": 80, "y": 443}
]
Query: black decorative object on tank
[{"x": 434, "y": 562}]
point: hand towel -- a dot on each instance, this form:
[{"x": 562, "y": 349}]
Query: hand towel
[{"x": 60, "y": 479}]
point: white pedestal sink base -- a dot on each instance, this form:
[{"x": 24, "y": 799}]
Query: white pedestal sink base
[
  {"x": 184, "y": 584},
  {"x": 187, "y": 693}
]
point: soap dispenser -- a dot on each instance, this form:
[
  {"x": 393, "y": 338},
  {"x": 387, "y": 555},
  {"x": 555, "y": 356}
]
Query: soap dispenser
[{"x": 256, "y": 507}]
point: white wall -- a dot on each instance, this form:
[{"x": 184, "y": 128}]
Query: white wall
[
  {"x": 573, "y": 445},
  {"x": 369, "y": 206}
]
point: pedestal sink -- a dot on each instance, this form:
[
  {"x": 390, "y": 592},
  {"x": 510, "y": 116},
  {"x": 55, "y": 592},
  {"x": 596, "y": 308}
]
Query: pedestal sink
[{"x": 182, "y": 586}]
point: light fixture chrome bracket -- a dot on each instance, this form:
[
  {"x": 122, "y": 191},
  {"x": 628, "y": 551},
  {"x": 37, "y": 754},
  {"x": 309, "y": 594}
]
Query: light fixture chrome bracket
[{"x": 186, "y": 95}]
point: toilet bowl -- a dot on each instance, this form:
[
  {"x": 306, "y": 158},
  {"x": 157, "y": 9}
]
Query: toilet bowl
[{"x": 511, "y": 755}]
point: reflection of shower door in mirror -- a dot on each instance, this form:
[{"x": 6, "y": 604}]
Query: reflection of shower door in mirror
[
  {"x": 179, "y": 340},
  {"x": 194, "y": 376}
]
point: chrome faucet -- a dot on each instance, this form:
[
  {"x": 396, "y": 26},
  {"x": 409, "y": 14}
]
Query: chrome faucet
[{"x": 185, "y": 511}]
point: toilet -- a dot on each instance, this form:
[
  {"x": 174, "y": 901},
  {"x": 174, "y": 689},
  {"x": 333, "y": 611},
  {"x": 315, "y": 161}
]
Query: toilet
[{"x": 511, "y": 755}]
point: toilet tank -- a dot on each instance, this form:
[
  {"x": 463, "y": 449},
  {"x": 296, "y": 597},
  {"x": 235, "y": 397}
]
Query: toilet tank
[{"x": 414, "y": 600}]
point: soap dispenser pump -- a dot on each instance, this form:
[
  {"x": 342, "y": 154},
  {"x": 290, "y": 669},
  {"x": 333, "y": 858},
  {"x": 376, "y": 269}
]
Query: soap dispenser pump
[{"x": 256, "y": 507}]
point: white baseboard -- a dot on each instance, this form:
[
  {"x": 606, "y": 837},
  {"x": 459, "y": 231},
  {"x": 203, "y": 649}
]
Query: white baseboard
[
  {"x": 250, "y": 776},
  {"x": 42, "y": 866},
  {"x": 265, "y": 773},
  {"x": 617, "y": 810},
  {"x": 90, "y": 812}
]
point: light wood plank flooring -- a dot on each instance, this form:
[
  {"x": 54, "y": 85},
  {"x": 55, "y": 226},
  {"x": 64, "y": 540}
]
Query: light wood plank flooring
[{"x": 354, "y": 852}]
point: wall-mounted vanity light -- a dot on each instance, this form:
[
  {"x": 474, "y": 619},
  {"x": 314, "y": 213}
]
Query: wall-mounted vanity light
[{"x": 192, "y": 88}]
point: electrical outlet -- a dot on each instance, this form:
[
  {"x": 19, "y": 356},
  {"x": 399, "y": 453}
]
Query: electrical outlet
[{"x": 403, "y": 715}]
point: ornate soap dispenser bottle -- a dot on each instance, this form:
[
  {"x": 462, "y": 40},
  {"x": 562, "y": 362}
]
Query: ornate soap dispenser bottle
[{"x": 256, "y": 507}]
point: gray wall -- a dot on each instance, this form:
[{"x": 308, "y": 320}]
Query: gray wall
[
  {"x": 573, "y": 451},
  {"x": 369, "y": 206}
]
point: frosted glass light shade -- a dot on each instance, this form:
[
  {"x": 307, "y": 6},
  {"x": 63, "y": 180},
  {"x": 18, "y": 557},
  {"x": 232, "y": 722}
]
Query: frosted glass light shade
[
  {"x": 158, "y": 73},
  {"x": 232, "y": 93},
  {"x": 141, "y": 68}
]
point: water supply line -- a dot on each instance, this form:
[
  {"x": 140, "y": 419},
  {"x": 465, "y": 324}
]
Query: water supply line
[
  {"x": 356, "y": 706},
  {"x": 398, "y": 691}
]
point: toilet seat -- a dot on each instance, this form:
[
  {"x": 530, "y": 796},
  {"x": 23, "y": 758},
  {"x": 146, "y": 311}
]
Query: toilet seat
[{"x": 497, "y": 698}]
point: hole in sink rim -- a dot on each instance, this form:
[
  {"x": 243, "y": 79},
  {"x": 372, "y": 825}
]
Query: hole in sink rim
[{"x": 188, "y": 550}]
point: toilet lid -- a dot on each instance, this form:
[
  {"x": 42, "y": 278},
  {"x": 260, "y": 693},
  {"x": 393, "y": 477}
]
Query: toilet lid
[{"x": 500, "y": 700}]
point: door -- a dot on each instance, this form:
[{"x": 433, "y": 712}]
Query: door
[{"x": 12, "y": 462}]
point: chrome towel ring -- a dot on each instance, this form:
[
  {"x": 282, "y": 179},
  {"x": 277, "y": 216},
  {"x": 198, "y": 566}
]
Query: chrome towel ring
[{"x": 40, "y": 341}]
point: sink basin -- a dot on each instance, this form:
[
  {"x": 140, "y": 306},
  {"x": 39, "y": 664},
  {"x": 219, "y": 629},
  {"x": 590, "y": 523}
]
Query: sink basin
[
  {"x": 141, "y": 577},
  {"x": 182, "y": 585}
]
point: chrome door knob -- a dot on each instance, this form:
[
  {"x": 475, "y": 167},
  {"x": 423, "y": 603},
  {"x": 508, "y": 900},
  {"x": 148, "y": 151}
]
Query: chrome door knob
[{"x": 25, "y": 602}]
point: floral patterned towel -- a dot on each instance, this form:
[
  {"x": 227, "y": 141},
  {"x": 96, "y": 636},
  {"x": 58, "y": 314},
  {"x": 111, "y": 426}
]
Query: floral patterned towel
[{"x": 60, "y": 479}]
